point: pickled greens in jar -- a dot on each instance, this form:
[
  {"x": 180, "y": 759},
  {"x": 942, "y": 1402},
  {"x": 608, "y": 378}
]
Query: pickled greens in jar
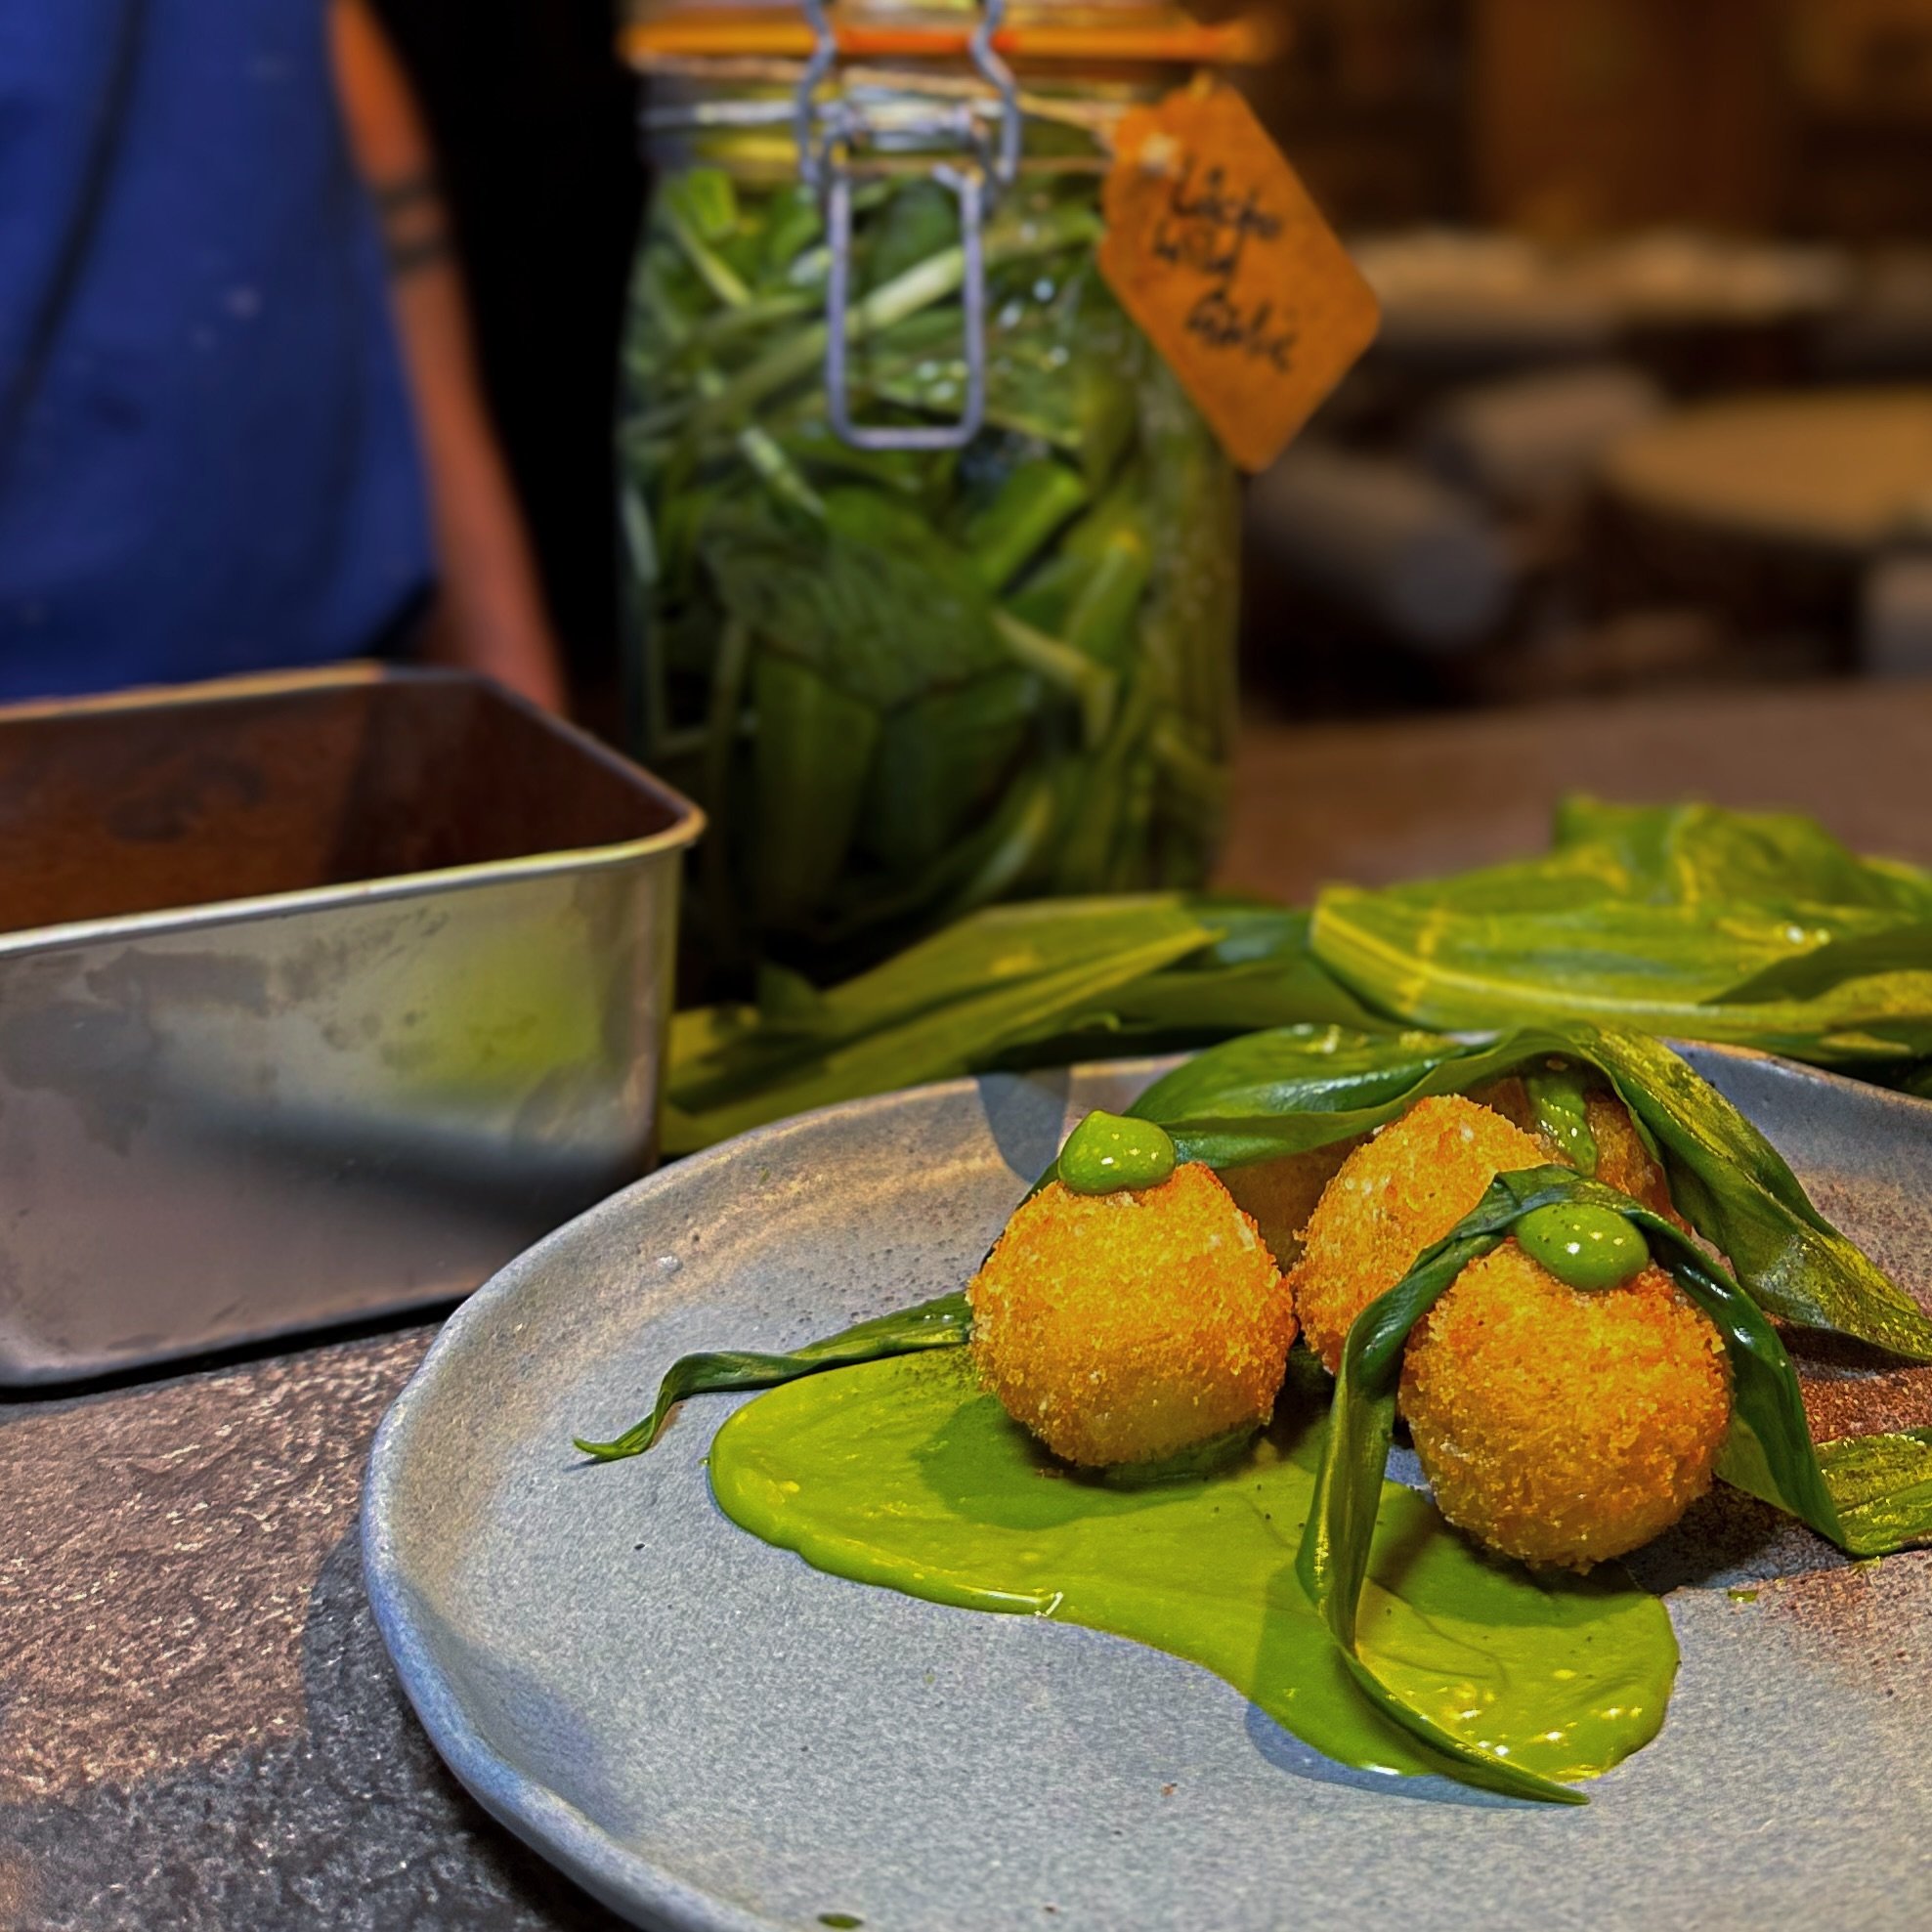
[{"x": 907, "y": 683}]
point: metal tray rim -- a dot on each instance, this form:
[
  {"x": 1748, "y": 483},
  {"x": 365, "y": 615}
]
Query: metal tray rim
[{"x": 686, "y": 826}]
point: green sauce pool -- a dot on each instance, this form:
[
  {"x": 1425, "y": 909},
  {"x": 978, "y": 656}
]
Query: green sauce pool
[{"x": 907, "y": 1473}]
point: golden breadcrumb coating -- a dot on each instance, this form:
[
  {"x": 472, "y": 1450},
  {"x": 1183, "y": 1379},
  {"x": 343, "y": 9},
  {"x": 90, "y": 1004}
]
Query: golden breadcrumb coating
[
  {"x": 1561, "y": 1425},
  {"x": 1281, "y": 1194},
  {"x": 1398, "y": 1192},
  {"x": 1126, "y": 1327},
  {"x": 1623, "y": 1162}
]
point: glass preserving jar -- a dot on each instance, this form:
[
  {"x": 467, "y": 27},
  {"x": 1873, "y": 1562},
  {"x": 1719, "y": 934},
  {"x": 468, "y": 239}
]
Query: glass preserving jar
[{"x": 932, "y": 563}]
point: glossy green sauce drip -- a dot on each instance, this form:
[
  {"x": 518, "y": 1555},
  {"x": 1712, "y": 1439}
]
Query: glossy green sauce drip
[
  {"x": 1563, "y": 1117},
  {"x": 906, "y": 1474},
  {"x": 1109, "y": 1152},
  {"x": 1587, "y": 1247}
]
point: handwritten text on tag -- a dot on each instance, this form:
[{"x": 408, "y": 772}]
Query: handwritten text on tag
[{"x": 1215, "y": 248}]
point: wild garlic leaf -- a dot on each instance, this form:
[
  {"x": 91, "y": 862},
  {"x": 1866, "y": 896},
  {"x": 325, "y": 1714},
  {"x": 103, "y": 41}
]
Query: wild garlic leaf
[{"x": 1293, "y": 1089}]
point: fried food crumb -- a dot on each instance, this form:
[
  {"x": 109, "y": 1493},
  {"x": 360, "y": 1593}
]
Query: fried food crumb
[{"x": 1126, "y": 1327}]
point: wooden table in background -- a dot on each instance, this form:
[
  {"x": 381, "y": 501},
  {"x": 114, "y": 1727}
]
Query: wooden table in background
[
  {"x": 1836, "y": 473},
  {"x": 1374, "y": 803},
  {"x": 198, "y": 1728}
]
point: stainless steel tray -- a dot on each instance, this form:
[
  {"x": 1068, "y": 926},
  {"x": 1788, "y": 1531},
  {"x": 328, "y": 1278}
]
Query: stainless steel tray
[{"x": 321, "y": 996}]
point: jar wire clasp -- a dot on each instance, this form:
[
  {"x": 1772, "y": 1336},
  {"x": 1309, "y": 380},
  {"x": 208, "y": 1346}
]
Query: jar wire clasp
[{"x": 984, "y": 160}]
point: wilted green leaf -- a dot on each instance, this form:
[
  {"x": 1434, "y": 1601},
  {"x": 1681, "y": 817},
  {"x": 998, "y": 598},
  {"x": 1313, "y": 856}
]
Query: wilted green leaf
[
  {"x": 872, "y": 600},
  {"x": 942, "y": 1323},
  {"x": 814, "y": 744},
  {"x": 929, "y": 1013},
  {"x": 939, "y": 757},
  {"x": 1290, "y": 1091},
  {"x": 1755, "y": 929}
]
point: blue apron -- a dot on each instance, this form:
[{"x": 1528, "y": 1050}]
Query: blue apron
[{"x": 206, "y": 458}]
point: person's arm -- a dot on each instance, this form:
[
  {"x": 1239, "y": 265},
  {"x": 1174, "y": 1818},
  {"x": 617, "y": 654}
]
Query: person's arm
[{"x": 490, "y": 615}]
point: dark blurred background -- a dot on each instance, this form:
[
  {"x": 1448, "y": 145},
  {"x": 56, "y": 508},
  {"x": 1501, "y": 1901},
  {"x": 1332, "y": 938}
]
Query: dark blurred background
[
  {"x": 1653, "y": 404},
  {"x": 534, "y": 121}
]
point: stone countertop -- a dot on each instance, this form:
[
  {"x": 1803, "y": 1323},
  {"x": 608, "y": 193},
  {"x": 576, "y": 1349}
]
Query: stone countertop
[{"x": 198, "y": 1726}]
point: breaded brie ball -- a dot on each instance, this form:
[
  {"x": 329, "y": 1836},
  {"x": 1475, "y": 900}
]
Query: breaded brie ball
[
  {"x": 1126, "y": 1327},
  {"x": 1562, "y": 1425},
  {"x": 1397, "y": 1193},
  {"x": 1283, "y": 1193}
]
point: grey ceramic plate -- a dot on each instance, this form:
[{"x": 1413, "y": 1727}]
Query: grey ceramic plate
[{"x": 704, "y": 1731}]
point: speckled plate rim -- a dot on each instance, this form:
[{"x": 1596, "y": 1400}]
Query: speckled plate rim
[
  {"x": 554, "y": 1827},
  {"x": 550, "y": 1824},
  {"x": 617, "y": 1878}
]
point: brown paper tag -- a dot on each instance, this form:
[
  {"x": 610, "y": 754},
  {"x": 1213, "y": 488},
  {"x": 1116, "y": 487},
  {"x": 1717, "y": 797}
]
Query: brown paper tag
[{"x": 1216, "y": 250}]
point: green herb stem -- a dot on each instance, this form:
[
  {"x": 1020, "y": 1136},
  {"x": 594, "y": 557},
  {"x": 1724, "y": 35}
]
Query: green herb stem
[
  {"x": 716, "y": 274},
  {"x": 1097, "y": 690},
  {"x": 941, "y": 1323},
  {"x": 932, "y": 281}
]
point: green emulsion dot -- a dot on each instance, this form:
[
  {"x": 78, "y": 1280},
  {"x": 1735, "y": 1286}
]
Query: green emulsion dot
[
  {"x": 1109, "y": 1152},
  {"x": 1563, "y": 1113},
  {"x": 1583, "y": 1246}
]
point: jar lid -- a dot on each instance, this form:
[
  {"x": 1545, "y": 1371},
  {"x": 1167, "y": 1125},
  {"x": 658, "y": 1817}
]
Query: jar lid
[{"x": 1114, "y": 32}]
